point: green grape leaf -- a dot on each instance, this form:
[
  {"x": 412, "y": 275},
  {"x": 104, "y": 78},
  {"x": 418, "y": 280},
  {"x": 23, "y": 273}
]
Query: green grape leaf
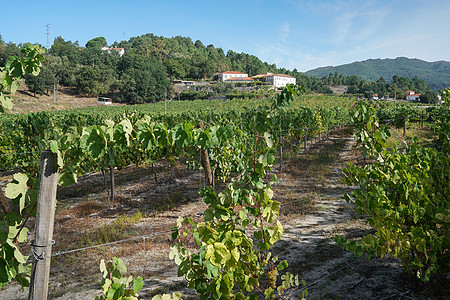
[
  {"x": 4, "y": 271},
  {"x": 54, "y": 146},
  {"x": 138, "y": 284},
  {"x": 18, "y": 187},
  {"x": 267, "y": 138},
  {"x": 6, "y": 102},
  {"x": 282, "y": 265}
]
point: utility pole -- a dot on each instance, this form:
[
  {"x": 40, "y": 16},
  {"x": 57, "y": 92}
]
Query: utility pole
[
  {"x": 48, "y": 36},
  {"x": 165, "y": 102},
  {"x": 54, "y": 90}
]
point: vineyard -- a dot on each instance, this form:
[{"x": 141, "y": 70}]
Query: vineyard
[{"x": 236, "y": 194}]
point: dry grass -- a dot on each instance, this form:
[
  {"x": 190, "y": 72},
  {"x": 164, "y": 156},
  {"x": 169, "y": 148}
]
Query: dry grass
[
  {"x": 65, "y": 98},
  {"x": 425, "y": 135}
]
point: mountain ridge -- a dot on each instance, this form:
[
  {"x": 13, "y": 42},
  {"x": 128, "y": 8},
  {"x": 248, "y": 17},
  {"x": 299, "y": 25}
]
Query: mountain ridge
[{"x": 436, "y": 74}]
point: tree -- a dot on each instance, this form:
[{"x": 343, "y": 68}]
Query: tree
[
  {"x": 94, "y": 81},
  {"x": 15, "y": 69},
  {"x": 352, "y": 89},
  {"x": 429, "y": 97},
  {"x": 368, "y": 94},
  {"x": 68, "y": 49},
  {"x": 97, "y": 43},
  {"x": 142, "y": 79},
  {"x": 2, "y": 52},
  {"x": 199, "y": 45},
  {"x": 41, "y": 83},
  {"x": 175, "y": 67}
]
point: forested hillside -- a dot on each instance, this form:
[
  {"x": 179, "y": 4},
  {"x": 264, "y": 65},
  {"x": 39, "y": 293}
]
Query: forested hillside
[
  {"x": 142, "y": 69},
  {"x": 144, "y": 72},
  {"x": 436, "y": 74}
]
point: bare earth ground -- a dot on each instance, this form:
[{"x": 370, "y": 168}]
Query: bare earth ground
[
  {"x": 310, "y": 188},
  {"x": 65, "y": 98}
]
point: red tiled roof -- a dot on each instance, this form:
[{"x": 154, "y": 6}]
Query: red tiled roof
[
  {"x": 270, "y": 75},
  {"x": 281, "y": 75},
  {"x": 232, "y": 72},
  {"x": 240, "y": 79}
]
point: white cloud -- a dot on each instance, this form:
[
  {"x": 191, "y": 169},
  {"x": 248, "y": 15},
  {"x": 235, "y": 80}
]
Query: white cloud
[{"x": 285, "y": 29}]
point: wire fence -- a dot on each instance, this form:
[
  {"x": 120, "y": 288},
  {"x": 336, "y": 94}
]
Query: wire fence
[
  {"x": 134, "y": 238},
  {"x": 152, "y": 235}
]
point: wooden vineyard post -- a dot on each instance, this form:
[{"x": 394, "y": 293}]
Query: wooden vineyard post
[
  {"x": 205, "y": 163},
  {"x": 422, "y": 118},
  {"x": 404, "y": 127},
  {"x": 4, "y": 203},
  {"x": 41, "y": 246},
  {"x": 281, "y": 152},
  {"x": 304, "y": 141},
  {"x": 111, "y": 177}
]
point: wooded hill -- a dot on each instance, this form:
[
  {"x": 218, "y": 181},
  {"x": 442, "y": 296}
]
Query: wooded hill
[
  {"x": 142, "y": 69},
  {"x": 436, "y": 74}
]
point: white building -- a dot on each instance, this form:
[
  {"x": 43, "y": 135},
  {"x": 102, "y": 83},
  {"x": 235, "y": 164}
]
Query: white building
[
  {"x": 224, "y": 76},
  {"x": 104, "y": 101},
  {"x": 280, "y": 80},
  {"x": 413, "y": 97},
  {"x": 277, "y": 80},
  {"x": 120, "y": 50}
]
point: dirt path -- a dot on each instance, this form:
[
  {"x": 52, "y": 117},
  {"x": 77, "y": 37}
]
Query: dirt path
[{"x": 311, "y": 191}]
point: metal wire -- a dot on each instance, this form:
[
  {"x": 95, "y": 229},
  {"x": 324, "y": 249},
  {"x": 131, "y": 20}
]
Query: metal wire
[{"x": 158, "y": 233}]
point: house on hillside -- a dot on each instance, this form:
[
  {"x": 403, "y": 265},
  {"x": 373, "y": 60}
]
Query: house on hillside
[
  {"x": 375, "y": 97},
  {"x": 121, "y": 51},
  {"x": 277, "y": 80},
  {"x": 225, "y": 76},
  {"x": 409, "y": 93},
  {"x": 413, "y": 97}
]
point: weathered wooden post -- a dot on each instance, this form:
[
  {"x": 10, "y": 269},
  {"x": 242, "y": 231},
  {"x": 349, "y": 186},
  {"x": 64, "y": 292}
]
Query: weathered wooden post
[
  {"x": 111, "y": 181},
  {"x": 422, "y": 118},
  {"x": 205, "y": 163},
  {"x": 281, "y": 151},
  {"x": 404, "y": 126},
  {"x": 304, "y": 140},
  {"x": 41, "y": 246}
]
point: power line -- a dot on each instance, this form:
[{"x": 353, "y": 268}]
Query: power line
[{"x": 48, "y": 36}]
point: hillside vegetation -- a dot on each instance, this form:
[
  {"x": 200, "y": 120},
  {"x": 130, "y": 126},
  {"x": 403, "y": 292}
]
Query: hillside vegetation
[
  {"x": 436, "y": 74},
  {"x": 142, "y": 70}
]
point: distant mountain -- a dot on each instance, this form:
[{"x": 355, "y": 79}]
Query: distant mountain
[{"x": 436, "y": 74}]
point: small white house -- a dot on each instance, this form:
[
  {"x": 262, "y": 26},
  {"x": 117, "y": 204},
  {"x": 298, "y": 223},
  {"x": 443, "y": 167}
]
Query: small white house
[
  {"x": 280, "y": 80},
  {"x": 104, "y": 101},
  {"x": 224, "y": 76},
  {"x": 121, "y": 51},
  {"x": 413, "y": 97}
]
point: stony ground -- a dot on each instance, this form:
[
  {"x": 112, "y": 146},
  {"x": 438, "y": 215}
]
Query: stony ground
[{"x": 310, "y": 188}]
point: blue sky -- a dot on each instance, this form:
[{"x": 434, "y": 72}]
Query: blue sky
[{"x": 302, "y": 34}]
